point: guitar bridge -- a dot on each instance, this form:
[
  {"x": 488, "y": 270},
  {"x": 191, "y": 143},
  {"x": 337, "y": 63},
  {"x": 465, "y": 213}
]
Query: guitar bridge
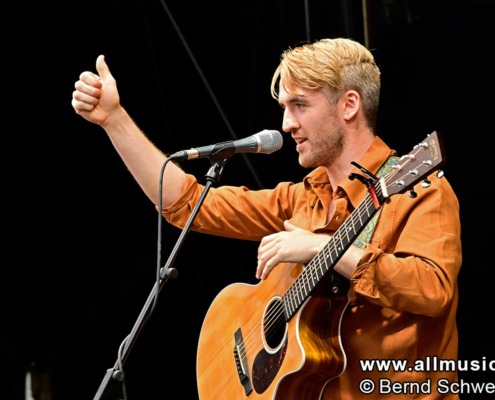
[{"x": 241, "y": 362}]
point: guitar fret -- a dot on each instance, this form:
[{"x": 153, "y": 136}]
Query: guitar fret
[
  {"x": 298, "y": 298},
  {"x": 313, "y": 281},
  {"x": 292, "y": 306}
]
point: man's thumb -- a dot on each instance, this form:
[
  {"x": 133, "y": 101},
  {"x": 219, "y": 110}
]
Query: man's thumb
[{"x": 102, "y": 67}]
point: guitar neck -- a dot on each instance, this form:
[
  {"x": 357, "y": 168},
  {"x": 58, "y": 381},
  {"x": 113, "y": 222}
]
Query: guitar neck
[{"x": 326, "y": 259}]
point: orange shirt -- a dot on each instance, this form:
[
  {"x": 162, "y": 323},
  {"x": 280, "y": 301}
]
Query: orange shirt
[{"x": 404, "y": 292}]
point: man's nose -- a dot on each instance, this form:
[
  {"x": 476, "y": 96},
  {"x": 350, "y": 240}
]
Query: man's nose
[{"x": 289, "y": 123}]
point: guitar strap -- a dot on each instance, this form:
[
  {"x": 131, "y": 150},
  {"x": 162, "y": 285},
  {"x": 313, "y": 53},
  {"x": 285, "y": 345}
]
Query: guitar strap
[
  {"x": 365, "y": 236},
  {"x": 339, "y": 284}
]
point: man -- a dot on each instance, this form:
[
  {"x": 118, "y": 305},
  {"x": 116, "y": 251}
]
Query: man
[{"x": 403, "y": 283}]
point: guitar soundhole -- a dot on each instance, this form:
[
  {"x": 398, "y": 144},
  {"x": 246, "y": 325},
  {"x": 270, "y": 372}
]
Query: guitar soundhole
[
  {"x": 269, "y": 360},
  {"x": 274, "y": 325}
]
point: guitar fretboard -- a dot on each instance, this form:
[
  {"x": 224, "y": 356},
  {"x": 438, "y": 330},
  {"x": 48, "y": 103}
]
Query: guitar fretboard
[{"x": 326, "y": 259}]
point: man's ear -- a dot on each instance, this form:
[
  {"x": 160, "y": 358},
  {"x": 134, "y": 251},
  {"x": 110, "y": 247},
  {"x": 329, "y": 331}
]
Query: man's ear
[{"x": 352, "y": 103}]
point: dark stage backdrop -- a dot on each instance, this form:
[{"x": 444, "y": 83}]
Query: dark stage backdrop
[{"x": 79, "y": 238}]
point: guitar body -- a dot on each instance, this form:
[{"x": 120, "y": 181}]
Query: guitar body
[{"x": 243, "y": 354}]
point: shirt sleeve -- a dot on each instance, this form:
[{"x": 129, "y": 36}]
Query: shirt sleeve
[
  {"x": 415, "y": 255},
  {"x": 234, "y": 212}
]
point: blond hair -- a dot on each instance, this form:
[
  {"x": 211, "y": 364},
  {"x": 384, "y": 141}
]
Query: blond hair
[{"x": 336, "y": 64}]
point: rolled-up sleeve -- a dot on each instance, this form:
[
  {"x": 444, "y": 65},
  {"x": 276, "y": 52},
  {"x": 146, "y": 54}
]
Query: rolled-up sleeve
[{"x": 415, "y": 255}]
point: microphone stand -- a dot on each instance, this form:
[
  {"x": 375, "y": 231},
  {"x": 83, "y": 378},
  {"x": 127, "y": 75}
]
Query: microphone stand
[{"x": 109, "y": 388}]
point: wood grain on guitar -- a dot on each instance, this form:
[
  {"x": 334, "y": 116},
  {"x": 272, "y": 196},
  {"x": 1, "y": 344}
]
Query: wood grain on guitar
[{"x": 280, "y": 339}]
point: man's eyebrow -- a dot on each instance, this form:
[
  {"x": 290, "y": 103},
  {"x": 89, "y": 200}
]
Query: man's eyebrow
[{"x": 296, "y": 99}]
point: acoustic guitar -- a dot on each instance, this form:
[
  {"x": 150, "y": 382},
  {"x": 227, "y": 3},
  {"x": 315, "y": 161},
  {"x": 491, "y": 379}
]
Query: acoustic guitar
[{"x": 280, "y": 339}]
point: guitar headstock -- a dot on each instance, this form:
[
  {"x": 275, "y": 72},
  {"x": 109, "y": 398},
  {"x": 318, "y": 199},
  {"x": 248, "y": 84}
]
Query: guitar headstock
[{"x": 425, "y": 158}]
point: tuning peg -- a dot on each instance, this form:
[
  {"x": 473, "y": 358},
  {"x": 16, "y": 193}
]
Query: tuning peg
[
  {"x": 412, "y": 194},
  {"x": 426, "y": 183},
  {"x": 440, "y": 173}
]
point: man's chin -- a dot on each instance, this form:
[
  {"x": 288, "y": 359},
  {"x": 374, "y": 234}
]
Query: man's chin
[{"x": 305, "y": 163}]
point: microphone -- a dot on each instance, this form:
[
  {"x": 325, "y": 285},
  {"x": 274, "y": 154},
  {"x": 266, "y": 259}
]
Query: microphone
[{"x": 266, "y": 141}]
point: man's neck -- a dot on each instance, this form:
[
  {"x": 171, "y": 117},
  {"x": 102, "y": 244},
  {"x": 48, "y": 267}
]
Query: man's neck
[{"x": 355, "y": 148}]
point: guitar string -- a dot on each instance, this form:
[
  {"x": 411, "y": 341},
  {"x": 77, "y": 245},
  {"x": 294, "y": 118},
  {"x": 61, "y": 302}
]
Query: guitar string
[
  {"x": 340, "y": 235},
  {"x": 274, "y": 314},
  {"x": 291, "y": 297}
]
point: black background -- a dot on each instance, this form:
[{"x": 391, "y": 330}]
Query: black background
[{"x": 79, "y": 238}]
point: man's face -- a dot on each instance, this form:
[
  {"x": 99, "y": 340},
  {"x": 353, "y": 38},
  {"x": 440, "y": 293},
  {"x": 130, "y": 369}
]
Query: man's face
[{"x": 315, "y": 125}]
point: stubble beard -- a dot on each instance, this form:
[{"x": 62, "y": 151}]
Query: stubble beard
[{"x": 325, "y": 151}]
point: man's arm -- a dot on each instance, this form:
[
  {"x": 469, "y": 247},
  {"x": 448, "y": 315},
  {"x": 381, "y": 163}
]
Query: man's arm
[{"x": 96, "y": 99}]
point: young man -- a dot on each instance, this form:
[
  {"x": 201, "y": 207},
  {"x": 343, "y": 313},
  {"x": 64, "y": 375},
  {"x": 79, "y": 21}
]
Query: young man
[{"x": 403, "y": 291}]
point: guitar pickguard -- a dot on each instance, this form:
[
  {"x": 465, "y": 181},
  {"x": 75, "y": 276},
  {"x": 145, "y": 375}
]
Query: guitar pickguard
[{"x": 266, "y": 367}]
